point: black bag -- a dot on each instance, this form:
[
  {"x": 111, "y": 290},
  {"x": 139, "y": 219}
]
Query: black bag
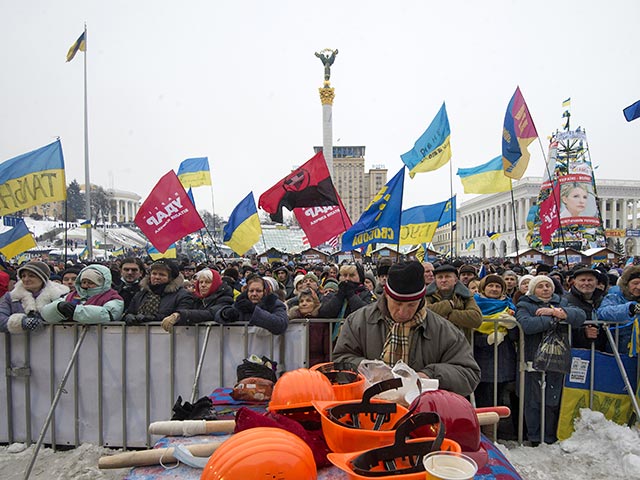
[
  {"x": 553, "y": 353},
  {"x": 266, "y": 370}
]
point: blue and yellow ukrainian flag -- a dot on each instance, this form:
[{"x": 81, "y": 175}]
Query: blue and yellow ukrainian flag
[
  {"x": 567, "y": 102},
  {"x": 17, "y": 240},
  {"x": 380, "y": 222},
  {"x": 243, "y": 229},
  {"x": 32, "y": 179},
  {"x": 118, "y": 252},
  {"x": 194, "y": 172},
  {"x": 493, "y": 235},
  {"x": 79, "y": 44},
  {"x": 486, "y": 178},
  {"x": 419, "y": 224},
  {"x": 156, "y": 255},
  {"x": 433, "y": 149},
  {"x": 470, "y": 245},
  {"x": 86, "y": 224}
]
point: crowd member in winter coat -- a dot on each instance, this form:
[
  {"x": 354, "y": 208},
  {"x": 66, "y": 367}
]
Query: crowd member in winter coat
[
  {"x": 211, "y": 296},
  {"x": 400, "y": 327},
  {"x": 584, "y": 294},
  {"x": 283, "y": 276},
  {"x": 161, "y": 293},
  {"x": 511, "y": 281},
  {"x": 20, "y": 309},
  {"x": 258, "y": 306},
  {"x": 449, "y": 298},
  {"x": 523, "y": 288},
  {"x": 537, "y": 312},
  {"x": 69, "y": 277},
  {"x": 466, "y": 273},
  {"x": 319, "y": 343},
  {"x": 621, "y": 306},
  {"x": 351, "y": 295},
  {"x": 92, "y": 301},
  {"x": 131, "y": 272},
  {"x": 494, "y": 305}
]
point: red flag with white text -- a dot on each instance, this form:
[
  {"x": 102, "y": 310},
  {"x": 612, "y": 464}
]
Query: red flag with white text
[
  {"x": 549, "y": 215},
  {"x": 167, "y": 214},
  {"x": 323, "y": 223}
]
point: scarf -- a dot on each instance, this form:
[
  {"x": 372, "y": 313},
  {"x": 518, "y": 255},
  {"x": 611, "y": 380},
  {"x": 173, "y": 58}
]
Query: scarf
[
  {"x": 493, "y": 308},
  {"x": 396, "y": 345}
]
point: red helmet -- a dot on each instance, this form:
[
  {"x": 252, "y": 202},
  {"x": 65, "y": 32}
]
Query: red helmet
[
  {"x": 261, "y": 452},
  {"x": 459, "y": 418}
]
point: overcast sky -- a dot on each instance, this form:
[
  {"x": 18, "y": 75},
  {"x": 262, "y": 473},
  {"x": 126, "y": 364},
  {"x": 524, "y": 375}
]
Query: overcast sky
[{"x": 237, "y": 81}]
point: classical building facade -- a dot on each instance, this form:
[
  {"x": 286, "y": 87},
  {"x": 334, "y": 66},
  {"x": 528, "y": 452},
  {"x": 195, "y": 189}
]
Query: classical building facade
[
  {"x": 355, "y": 186},
  {"x": 124, "y": 205},
  {"x": 619, "y": 202}
]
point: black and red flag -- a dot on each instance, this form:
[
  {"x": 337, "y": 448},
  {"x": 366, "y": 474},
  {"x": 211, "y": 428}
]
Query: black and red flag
[{"x": 308, "y": 186}]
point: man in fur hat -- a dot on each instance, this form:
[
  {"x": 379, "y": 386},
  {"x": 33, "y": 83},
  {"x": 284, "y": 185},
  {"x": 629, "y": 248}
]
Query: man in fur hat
[{"x": 398, "y": 326}]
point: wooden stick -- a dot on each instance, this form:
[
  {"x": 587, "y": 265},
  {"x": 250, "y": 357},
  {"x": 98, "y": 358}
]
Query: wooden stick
[
  {"x": 152, "y": 457},
  {"x": 503, "y": 411},
  {"x": 187, "y": 428},
  {"x": 488, "y": 418}
]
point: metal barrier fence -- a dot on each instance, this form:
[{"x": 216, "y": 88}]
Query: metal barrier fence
[{"x": 124, "y": 378}]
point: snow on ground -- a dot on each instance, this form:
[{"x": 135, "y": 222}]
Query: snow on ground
[{"x": 599, "y": 449}]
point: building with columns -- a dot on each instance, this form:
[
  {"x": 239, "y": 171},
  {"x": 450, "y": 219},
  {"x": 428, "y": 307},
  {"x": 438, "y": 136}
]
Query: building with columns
[
  {"x": 618, "y": 200},
  {"x": 124, "y": 205}
]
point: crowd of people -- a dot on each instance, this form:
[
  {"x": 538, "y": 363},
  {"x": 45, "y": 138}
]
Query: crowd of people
[{"x": 445, "y": 320}]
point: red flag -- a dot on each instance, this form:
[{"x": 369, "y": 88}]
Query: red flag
[
  {"x": 549, "y": 215},
  {"x": 167, "y": 214},
  {"x": 308, "y": 186},
  {"x": 323, "y": 223}
]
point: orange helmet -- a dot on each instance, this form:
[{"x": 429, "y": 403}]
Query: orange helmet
[
  {"x": 262, "y": 452},
  {"x": 298, "y": 388},
  {"x": 369, "y": 423},
  {"x": 348, "y": 383},
  {"x": 401, "y": 460}
]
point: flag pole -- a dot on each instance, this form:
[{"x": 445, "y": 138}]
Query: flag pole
[
  {"x": 451, "y": 210},
  {"x": 213, "y": 209},
  {"x": 87, "y": 180},
  {"x": 515, "y": 224}
]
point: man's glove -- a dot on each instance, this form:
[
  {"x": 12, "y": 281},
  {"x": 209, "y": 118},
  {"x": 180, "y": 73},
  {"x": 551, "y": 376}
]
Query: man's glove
[
  {"x": 229, "y": 315},
  {"x": 169, "y": 321},
  {"x": 347, "y": 288},
  {"x": 245, "y": 305},
  {"x": 32, "y": 321},
  {"x": 634, "y": 309},
  {"x": 66, "y": 309}
]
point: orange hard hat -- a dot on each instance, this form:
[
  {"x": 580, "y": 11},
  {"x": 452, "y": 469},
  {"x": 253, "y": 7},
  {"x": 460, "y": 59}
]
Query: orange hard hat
[
  {"x": 401, "y": 460},
  {"x": 261, "y": 452},
  {"x": 348, "y": 383},
  {"x": 296, "y": 389}
]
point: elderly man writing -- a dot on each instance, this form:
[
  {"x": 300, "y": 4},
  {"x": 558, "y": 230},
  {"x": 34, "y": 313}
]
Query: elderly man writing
[{"x": 398, "y": 326}]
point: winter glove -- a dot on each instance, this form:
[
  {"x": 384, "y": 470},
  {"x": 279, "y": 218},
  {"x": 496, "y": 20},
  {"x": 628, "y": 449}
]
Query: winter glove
[
  {"x": 634, "y": 309},
  {"x": 245, "y": 305},
  {"x": 66, "y": 309},
  {"x": 169, "y": 321},
  {"x": 32, "y": 321},
  {"x": 229, "y": 315},
  {"x": 347, "y": 288},
  {"x": 268, "y": 302}
]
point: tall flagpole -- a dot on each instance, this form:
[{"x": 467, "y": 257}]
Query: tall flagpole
[{"x": 87, "y": 180}]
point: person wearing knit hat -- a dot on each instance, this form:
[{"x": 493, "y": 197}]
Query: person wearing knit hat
[
  {"x": 585, "y": 294},
  {"x": 297, "y": 283},
  {"x": 93, "y": 301},
  {"x": 399, "y": 326},
  {"x": 211, "y": 296},
  {"x": 497, "y": 315},
  {"x": 21, "y": 308},
  {"x": 450, "y": 298},
  {"x": 621, "y": 306},
  {"x": 523, "y": 287},
  {"x": 543, "y": 269},
  {"x": 330, "y": 286},
  {"x": 537, "y": 312},
  {"x": 161, "y": 293}
]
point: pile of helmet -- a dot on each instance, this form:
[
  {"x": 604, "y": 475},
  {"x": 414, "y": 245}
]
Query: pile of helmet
[{"x": 391, "y": 440}]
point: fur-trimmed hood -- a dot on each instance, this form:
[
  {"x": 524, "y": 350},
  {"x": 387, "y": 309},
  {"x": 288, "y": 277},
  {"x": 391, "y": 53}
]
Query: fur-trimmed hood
[
  {"x": 623, "y": 282},
  {"x": 172, "y": 287},
  {"x": 50, "y": 292}
]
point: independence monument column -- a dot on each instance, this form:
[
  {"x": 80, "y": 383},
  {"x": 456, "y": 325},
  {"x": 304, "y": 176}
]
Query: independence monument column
[{"x": 327, "y": 57}]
